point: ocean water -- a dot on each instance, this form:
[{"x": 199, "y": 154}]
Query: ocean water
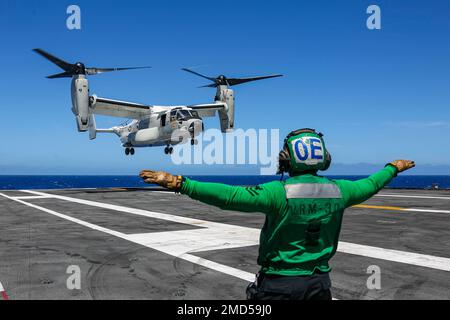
[{"x": 65, "y": 182}]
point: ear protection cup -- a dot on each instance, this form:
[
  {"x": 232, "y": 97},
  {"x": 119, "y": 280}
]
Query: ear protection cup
[
  {"x": 327, "y": 163},
  {"x": 284, "y": 158},
  {"x": 284, "y": 161}
]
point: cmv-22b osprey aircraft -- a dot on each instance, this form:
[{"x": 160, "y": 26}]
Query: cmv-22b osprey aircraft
[{"x": 151, "y": 125}]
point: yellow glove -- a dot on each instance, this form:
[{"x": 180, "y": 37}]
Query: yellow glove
[
  {"x": 403, "y": 165},
  {"x": 163, "y": 179}
]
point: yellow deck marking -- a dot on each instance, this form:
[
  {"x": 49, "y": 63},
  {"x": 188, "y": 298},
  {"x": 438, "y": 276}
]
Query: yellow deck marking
[{"x": 365, "y": 206}]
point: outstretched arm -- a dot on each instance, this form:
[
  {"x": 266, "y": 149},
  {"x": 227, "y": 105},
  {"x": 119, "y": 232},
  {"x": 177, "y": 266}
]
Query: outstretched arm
[
  {"x": 356, "y": 192},
  {"x": 263, "y": 198}
]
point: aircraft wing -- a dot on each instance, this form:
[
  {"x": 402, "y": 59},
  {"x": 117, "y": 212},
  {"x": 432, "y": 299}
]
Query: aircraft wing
[
  {"x": 209, "y": 110},
  {"x": 120, "y": 109}
]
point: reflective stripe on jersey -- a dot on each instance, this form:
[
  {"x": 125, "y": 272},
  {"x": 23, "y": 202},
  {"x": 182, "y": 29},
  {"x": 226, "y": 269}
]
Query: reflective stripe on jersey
[{"x": 312, "y": 191}]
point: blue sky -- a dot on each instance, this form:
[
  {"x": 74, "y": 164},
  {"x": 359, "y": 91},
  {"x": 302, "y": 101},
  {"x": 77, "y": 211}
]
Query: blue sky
[{"x": 377, "y": 95}]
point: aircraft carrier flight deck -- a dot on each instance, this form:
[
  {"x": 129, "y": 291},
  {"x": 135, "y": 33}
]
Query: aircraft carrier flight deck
[{"x": 153, "y": 244}]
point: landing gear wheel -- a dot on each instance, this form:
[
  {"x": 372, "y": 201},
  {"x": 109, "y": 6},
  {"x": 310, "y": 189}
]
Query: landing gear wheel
[
  {"x": 132, "y": 151},
  {"x": 168, "y": 150},
  {"x": 127, "y": 151}
]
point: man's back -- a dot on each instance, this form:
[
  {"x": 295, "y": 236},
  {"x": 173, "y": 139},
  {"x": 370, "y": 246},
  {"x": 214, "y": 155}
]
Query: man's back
[
  {"x": 301, "y": 235},
  {"x": 304, "y": 215}
]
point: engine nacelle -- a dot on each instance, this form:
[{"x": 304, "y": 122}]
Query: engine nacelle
[
  {"x": 226, "y": 116},
  {"x": 80, "y": 102}
]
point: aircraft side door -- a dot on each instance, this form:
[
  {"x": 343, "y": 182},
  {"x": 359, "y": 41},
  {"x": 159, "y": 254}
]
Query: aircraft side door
[
  {"x": 173, "y": 119},
  {"x": 163, "y": 120},
  {"x": 166, "y": 123}
]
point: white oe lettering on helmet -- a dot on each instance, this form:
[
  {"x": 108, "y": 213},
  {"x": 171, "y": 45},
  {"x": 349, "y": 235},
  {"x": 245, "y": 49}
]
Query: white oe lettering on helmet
[{"x": 308, "y": 150}]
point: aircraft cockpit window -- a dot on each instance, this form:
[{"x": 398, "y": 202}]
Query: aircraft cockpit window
[
  {"x": 182, "y": 114},
  {"x": 195, "y": 114}
]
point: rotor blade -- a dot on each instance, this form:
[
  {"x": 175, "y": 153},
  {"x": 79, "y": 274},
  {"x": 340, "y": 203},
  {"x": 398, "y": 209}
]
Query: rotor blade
[
  {"x": 93, "y": 71},
  {"x": 61, "y": 75},
  {"x": 233, "y": 82},
  {"x": 212, "y": 85},
  {"x": 60, "y": 63},
  {"x": 198, "y": 74}
]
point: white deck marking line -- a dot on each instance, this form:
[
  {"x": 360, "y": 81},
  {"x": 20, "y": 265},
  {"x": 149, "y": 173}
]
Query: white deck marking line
[
  {"x": 426, "y": 210},
  {"x": 31, "y": 197},
  {"x": 63, "y": 216},
  {"x": 411, "y": 196},
  {"x": 174, "y": 241},
  {"x": 211, "y": 236},
  {"x": 145, "y": 213},
  {"x": 198, "y": 240},
  {"x": 188, "y": 257},
  {"x": 416, "y": 259},
  {"x": 244, "y": 275}
]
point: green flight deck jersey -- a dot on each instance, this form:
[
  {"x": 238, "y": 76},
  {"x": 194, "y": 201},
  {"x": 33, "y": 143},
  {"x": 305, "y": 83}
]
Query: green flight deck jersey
[{"x": 303, "y": 215}]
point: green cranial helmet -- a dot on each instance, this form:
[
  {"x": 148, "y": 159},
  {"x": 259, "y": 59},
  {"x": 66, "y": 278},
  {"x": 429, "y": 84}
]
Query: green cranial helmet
[{"x": 304, "y": 150}]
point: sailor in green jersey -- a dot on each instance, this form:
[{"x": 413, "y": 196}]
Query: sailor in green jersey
[{"x": 303, "y": 215}]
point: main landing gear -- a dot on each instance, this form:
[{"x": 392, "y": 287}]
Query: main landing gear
[
  {"x": 168, "y": 150},
  {"x": 194, "y": 142},
  {"x": 129, "y": 151}
]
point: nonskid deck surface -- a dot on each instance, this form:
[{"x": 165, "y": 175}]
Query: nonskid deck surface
[{"x": 151, "y": 244}]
